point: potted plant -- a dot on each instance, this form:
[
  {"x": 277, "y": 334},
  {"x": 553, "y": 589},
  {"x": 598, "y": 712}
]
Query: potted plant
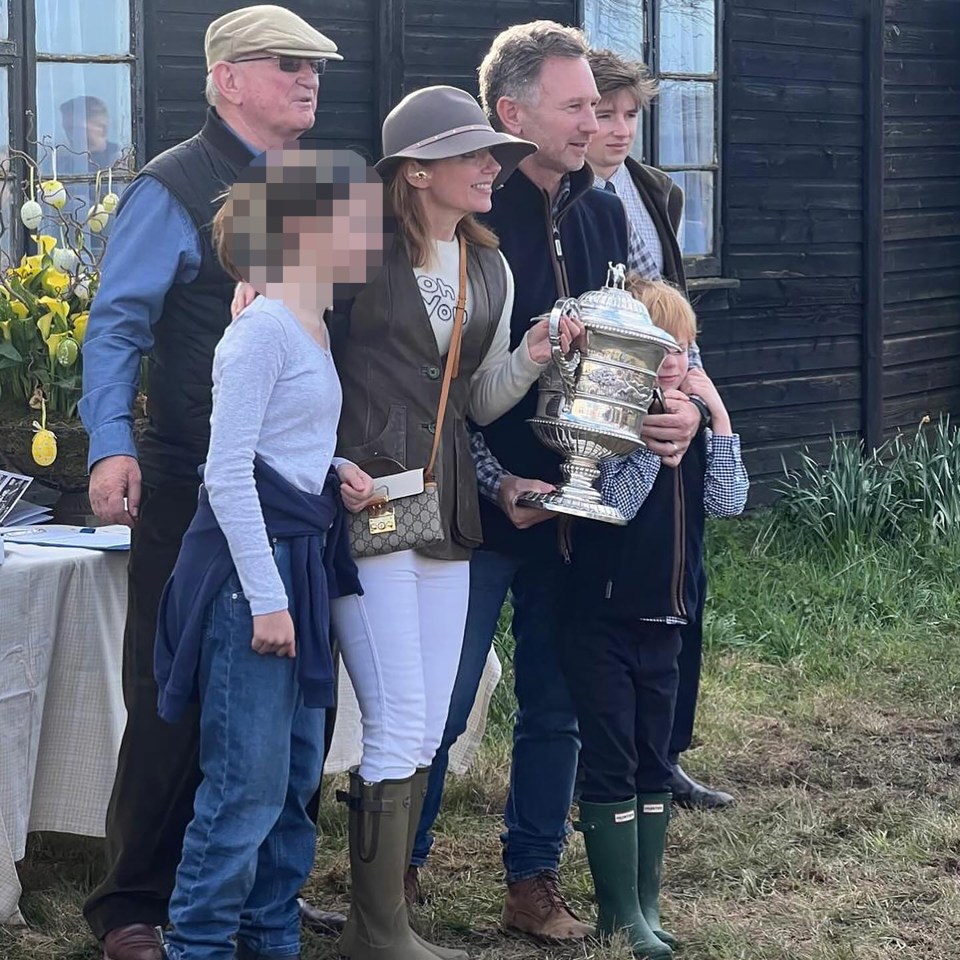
[{"x": 45, "y": 299}]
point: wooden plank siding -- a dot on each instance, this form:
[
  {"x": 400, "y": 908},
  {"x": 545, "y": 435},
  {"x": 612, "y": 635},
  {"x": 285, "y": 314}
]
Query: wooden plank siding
[
  {"x": 348, "y": 114},
  {"x": 921, "y": 345},
  {"x": 785, "y": 348}
]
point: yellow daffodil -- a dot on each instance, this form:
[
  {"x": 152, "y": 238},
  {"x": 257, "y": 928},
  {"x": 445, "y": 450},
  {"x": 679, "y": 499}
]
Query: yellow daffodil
[
  {"x": 54, "y": 281},
  {"x": 29, "y": 267},
  {"x": 57, "y": 310},
  {"x": 20, "y": 309},
  {"x": 80, "y": 325},
  {"x": 45, "y": 243},
  {"x": 53, "y": 341}
]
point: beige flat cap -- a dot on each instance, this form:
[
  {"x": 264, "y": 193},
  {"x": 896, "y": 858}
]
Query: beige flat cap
[{"x": 265, "y": 28}]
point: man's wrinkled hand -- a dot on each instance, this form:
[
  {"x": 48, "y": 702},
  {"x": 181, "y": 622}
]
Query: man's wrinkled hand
[
  {"x": 511, "y": 488},
  {"x": 670, "y": 433},
  {"x": 113, "y": 480}
]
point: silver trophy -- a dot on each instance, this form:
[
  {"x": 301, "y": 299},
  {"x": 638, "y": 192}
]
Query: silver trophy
[{"x": 593, "y": 402}]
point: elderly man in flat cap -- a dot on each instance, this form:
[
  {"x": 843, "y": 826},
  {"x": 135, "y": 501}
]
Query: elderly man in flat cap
[{"x": 164, "y": 295}]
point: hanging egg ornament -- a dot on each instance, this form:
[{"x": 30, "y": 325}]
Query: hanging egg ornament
[
  {"x": 44, "y": 446},
  {"x": 110, "y": 202},
  {"x": 81, "y": 289},
  {"x": 64, "y": 259},
  {"x": 67, "y": 352},
  {"x": 54, "y": 193},
  {"x": 97, "y": 218},
  {"x": 31, "y": 214}
]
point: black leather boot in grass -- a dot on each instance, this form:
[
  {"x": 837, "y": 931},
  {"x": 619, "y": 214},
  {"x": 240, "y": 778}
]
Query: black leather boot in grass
[
  {"x": 653, "y": 818},
  {"x": 610, "y": 834},
  {"x": 377, "y": 926}
]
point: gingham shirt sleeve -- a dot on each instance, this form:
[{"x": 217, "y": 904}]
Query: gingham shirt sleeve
[
  {"x": 489, "y": 471},
  {"x": 725, "y": 484},
  {"x": 626, "y": 482},
  {"x": 693, "y": 355},
  {"x": 639, "y": 258}
]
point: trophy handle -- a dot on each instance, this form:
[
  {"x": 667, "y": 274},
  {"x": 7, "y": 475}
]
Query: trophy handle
[{"x": 566, "y": 365}]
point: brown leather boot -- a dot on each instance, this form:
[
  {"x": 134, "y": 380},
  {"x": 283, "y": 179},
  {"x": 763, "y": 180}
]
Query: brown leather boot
[
  {"x": 137, "y": 941},
  {"x": 536, "y": 908},
  {"x": 327, "y": 923},
  {"x": 411, "y": 886}
]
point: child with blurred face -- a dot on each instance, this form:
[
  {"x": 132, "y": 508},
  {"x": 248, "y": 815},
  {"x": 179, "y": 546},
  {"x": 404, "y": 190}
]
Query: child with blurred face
[{"x": 245, "y": 616}]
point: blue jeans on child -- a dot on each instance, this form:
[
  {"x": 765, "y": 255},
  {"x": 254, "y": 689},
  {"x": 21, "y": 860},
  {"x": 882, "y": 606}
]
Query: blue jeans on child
[
  {"x": 546, "y": 741},
  {"x": 250, "y": 845}
]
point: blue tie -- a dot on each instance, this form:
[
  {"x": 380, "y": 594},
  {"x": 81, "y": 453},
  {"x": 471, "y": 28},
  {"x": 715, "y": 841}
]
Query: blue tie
[{"x": 609, "y": 187}]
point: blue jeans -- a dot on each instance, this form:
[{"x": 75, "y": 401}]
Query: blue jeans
[
  {"x": 250, "y": 845},
  {"x": 545, "y": 738}
]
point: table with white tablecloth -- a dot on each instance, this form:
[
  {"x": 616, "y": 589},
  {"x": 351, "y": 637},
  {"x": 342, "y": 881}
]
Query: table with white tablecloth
[{"x": 61, "y": 704}]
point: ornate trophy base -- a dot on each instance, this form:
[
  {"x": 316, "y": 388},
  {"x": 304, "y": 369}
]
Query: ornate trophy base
[
  {"x": 561, "y": 502},
  {"x": 578, "y": 494}
]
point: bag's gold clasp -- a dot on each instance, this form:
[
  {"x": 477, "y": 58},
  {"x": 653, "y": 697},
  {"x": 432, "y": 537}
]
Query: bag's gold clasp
[{"x": 382, "y": 518}]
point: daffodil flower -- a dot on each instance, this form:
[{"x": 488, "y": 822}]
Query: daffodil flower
[
  {"x": 54, "y": 281},
  {"x": 80, "y": 325}
]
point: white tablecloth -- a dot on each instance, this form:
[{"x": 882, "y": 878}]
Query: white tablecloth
[
  {"x": 61, "y": 701},
  {"x": 61, "y": 706}
]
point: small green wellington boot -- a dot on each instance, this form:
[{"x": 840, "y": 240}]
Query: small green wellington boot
[
  {"x": 653, "y": 817},
  {"x": 610, "y": 834},
  {"x": 418, "y": 793}
]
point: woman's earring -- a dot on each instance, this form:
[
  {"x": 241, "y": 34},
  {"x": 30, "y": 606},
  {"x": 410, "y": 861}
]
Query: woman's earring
[{"x": 420, "y": 175}]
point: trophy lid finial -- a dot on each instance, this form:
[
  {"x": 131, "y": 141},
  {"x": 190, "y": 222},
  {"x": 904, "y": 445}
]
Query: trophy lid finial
[{"x": 616, "y": 275}]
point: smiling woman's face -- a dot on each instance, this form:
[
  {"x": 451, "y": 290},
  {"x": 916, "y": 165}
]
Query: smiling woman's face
[{"x": 463, "y": 183}]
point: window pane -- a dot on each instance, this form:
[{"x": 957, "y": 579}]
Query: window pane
[
  {"x": 616, "y": 25},
  {"x": 8, "y": 188},
  {"x": 91, "y": 127},
  {"x": 687, "y": 36},
  {"x": 91, "y": 27},
  {"x": 4, "y": 19},
  {"x": 687, "y": 123},
  {"x": 696, "y": 230}
]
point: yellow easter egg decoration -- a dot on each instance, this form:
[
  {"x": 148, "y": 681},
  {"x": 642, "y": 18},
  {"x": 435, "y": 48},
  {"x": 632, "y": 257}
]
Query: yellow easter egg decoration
[
  {"x": 97, "y": 218},
  {"x": 44, "y": 447},
  {"x": 54, "y": 193},
  {"x": 31, "y": 214},
  {"x": 110, "y": 202}
]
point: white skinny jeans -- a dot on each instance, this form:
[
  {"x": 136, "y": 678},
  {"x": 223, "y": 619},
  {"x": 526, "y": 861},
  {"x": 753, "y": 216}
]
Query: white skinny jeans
[{"x": 401, "y": 645}]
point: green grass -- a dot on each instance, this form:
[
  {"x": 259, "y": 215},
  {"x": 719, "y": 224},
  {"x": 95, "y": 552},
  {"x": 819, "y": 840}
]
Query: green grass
[{"x": 828, "y": 706}]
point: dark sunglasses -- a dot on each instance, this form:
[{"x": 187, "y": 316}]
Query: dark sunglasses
[{"x": 291, "y": 64}]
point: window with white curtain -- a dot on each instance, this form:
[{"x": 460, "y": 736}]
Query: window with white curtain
[
  {"x": 75, "y": 95},
  {"x": 678, "y": 40}
]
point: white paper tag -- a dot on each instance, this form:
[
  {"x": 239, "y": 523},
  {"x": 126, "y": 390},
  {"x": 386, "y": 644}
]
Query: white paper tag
[{"x": 400, "y": 485}]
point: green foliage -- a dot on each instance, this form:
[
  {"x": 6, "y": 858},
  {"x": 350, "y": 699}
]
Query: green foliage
[{"x": 906, "y": 491}]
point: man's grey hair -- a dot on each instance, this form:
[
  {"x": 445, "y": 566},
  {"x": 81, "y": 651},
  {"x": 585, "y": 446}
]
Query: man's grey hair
[
  {"x": 211, "y": 92},
  {"x": 512, "y": 66}
]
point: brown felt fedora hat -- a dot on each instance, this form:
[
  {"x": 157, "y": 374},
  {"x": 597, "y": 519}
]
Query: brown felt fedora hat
[{"x": 439, "y": 122}]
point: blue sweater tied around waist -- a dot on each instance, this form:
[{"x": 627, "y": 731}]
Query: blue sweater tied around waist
[{"x": 321, "y": 573}]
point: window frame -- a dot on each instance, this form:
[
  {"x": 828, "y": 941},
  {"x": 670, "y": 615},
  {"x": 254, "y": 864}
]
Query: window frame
[
  {"x": 695, "y": 265},
  {"x": 19, "y": 52}
]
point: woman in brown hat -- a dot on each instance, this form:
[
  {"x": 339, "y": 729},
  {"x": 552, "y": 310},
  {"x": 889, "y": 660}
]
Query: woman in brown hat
[{"x": 443, "y": 299}]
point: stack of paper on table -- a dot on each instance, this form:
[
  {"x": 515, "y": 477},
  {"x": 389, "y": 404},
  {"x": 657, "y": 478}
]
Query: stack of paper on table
[{"x": 112, "y": 537}]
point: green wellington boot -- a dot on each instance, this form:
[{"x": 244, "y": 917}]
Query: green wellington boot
[
  {"x": 610, "y": 834},
  {"x": 653, "y": 817},
  {"x": 418, "y": 793},
  {"x": 377, "y": 926}
]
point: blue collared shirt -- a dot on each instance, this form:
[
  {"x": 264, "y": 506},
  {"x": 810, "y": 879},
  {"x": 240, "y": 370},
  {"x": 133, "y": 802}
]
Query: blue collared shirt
[{"x": 153, "y": 244}]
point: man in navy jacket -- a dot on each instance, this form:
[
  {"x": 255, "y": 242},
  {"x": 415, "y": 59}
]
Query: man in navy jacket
[{"x": 558, "y": 234}]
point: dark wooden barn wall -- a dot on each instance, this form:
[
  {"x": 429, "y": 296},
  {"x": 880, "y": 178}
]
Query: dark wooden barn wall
[
  {"x": 921, "y": 344},
  {"x": 390, "y": 47},
  {"x": 786, "y": 346},
  {"x": 348, "y": 115}
]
